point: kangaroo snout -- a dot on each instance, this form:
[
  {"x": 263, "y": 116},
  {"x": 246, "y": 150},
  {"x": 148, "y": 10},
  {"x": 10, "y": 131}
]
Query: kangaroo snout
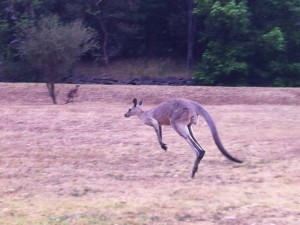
[{"x": 127, "y": 114}]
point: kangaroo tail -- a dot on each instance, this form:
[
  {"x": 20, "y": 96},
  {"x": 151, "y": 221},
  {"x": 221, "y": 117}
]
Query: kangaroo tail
[{"x": 215, "y": 135}]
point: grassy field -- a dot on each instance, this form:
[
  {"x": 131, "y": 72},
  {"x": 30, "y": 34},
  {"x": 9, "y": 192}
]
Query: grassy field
[{"x": 84, "y": 163}]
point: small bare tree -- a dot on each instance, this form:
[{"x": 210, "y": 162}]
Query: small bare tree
[{"x": 52, "y": 47}]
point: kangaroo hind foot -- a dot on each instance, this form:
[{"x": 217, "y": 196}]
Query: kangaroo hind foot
[{"x": 196, "y": 164}]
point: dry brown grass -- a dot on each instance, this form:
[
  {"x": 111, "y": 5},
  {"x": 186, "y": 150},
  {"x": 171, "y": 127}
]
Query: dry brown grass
[{"x": 84, "y": 163}]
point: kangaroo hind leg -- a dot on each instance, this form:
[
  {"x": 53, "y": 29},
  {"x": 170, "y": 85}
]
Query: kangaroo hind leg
[
  {"x": 192, "y": 135},
  {"x": 201, "y": 152},
  {"x": 180, "y": 122}
]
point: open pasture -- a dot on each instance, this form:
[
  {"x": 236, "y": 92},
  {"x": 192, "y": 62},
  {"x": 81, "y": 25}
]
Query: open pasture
[{"x": 84, "y": 163}]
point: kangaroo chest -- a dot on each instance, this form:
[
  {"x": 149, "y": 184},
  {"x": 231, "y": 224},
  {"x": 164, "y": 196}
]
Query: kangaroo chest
[{"x": 163, "y": 117}]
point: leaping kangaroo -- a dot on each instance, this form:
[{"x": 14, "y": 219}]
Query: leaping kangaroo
[{"x": 181, "y": 114}]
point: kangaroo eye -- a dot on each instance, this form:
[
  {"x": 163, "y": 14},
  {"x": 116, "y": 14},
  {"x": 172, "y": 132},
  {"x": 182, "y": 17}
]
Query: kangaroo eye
[{"x": 129, "y": 110}]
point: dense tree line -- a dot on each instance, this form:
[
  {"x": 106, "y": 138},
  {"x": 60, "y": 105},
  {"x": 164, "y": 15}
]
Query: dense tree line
[{"x": 225, "y": 42}]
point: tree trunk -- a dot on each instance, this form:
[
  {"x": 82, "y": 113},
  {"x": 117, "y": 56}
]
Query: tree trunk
[
  {"x": 31, "y": 10},
  {"x": 51, "y": 89},
  {"x": 105, "y": 39},
  {"x": 190, "y": 34}
]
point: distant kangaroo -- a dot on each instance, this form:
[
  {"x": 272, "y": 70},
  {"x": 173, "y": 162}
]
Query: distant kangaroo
[
  {"x": 72, "y": 94},
  {"x": 181, "y": 114}
]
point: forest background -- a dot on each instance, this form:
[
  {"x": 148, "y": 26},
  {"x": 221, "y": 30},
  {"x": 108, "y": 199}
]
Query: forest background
[{"x": 225, "y": 42}]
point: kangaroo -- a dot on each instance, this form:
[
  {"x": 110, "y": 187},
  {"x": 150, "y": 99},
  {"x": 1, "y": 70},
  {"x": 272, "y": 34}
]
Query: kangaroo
[
  {"x": 72, "y": 94},
  {"x": 181, "y": 114}
]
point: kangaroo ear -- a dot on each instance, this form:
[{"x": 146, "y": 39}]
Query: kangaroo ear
[
  {"x": 141, "y": 102},
  {"x": 134, "y": 102}
]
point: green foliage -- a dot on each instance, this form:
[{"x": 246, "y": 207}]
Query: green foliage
[
  {"x": 238, "y": 42},
  {"x": 223, "y": 61},
  {"x": 222, "y": 65},
  {"x": 52, "y": 47},
  {"x": 274, "y": 40},
  {"x": 249, "y": 44},
  {"x": 232, "y": 17},
  {"x": 162, "y": 27},
  {"x": 274, "y": 43}
]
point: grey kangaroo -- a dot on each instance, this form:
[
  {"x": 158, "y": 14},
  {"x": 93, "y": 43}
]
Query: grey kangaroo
[
  {"x": 72, "y": 94},
  {"x": 181, "y": 114}
]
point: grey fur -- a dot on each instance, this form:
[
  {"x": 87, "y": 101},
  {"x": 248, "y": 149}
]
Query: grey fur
[
  {"x": 72, "y": 94},
  {"x": 181, "y": 114}
]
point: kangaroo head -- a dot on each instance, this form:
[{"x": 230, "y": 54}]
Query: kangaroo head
[{"x": 135, "y": 110}]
